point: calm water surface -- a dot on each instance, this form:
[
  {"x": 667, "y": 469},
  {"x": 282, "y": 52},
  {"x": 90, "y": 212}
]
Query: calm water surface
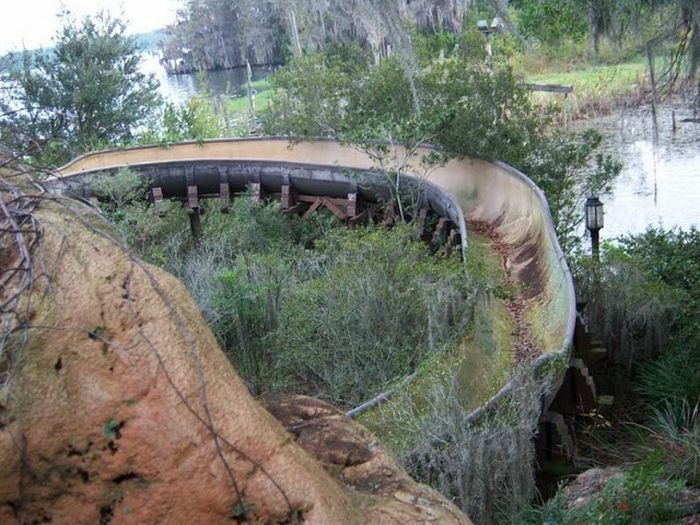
[
  {"x": 660, "y": 182},
  {"x": 178, "y": 88}
]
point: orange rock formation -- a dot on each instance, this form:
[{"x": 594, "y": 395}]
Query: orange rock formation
[{"x": 117, "y": 406}]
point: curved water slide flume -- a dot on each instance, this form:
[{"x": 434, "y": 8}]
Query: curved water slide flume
[{"x": 488, "y": 192}]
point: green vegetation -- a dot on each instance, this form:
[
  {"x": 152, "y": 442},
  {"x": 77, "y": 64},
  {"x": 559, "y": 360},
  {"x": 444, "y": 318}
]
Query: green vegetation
[
  {"x": 455, "y": 104},
  {"x": 646, "y": 311},
  {"x": 86, "y": 94},
  {"x": 343, "y": 314},
  {"x": 305, "y": 306}
]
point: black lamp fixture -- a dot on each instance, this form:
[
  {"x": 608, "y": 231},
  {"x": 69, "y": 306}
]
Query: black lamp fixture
[{"x": 594, "y": 223}]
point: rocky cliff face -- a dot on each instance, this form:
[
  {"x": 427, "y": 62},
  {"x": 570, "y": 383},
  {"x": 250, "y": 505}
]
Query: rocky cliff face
[{"x": 117, "y": 406}]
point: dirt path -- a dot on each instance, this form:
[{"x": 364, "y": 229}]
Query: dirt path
[{"x": 524, "y": 347}]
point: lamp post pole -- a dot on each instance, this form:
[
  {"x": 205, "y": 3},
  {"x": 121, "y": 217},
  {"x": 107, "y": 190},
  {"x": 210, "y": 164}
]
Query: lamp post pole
[
  {"x": 595, "y": 244},
  {"x": 487, "y": 31}
]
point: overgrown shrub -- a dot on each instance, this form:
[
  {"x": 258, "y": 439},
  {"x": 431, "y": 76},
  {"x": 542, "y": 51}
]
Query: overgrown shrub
[
  {"x": 365, "y": 307},
  {"x": 156, "y": 233},
  {"x": 640, "y": 495},
  {"x": 485, "y": 467},
  {"x": 304, "y": 306},
  {"x": 457, "y": 104},
  {"x": 644, "y": 302}
]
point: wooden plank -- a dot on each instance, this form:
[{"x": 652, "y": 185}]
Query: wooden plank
[
  {"x": 548, "y": 88},
  {"x": 297, "y": 208},
  {"x": 335, "y": 209},
  {"x": 313, "y": 198},
  {"x": 361, "y": 217},
  {"x": 315, "y": 206}
]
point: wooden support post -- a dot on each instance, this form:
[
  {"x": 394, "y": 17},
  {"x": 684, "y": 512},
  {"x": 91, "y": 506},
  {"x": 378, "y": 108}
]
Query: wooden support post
[
  {"x": 453, "y": 239},
  {"x": 255, "y": 193},
  {"x": 157, "y": 194},
  {"x": 192, "y": 197},
  {"x": 195, "y": 225},
  {"x": 352, "y": 205},
  {"x": 440, "y": 229},
  {"x": 422, "y": 219},
  {"x": 225, "y": 196},
  {"x": 577, "y": 394},
  {"x": 554, "y": 440},
  {"x": 288, "y": 197},
  {"x": 193, "y": 211},
  {"x": 157, "y": 197},
  {"x": 389, "y": 213}
]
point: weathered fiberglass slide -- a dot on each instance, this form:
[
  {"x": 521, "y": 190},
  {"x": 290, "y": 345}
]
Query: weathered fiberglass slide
[{"x": 468, "y": 191}]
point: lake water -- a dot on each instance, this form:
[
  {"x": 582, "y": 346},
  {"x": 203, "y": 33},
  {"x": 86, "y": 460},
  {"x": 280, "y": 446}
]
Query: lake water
[
  {"x": 660, "y": 182},
  {"x": 178, "y": 88}
]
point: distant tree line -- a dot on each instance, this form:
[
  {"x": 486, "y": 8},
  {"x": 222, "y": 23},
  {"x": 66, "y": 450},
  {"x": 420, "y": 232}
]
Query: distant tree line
[{"x": 219, "y": 34}]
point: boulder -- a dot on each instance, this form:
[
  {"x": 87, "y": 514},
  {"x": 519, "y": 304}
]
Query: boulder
[{"x": 117, "y": 406}]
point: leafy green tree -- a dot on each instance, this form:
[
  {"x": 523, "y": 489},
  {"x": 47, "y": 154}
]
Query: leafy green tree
[
  {"x": 551, "y": 22},
  {"x": 464, "y": 109},
  {"x": 87, "y": 93}
]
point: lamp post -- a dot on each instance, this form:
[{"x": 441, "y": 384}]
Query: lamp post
[
  {"x": 594, "y": 223},
  {"x": 487, "y": 31}
]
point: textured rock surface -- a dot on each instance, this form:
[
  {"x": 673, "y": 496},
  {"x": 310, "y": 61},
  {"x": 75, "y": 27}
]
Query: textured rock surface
[
  {"x": 119, "y": 407},
  {"x": 354, "y": 457},
  {"x": 588, "y": 484}
]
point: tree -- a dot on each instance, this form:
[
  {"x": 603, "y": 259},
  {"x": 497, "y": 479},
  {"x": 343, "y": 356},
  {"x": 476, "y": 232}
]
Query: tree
[
  {"x": 88, "y": 92},
  {"x": 464, "y": 110}
]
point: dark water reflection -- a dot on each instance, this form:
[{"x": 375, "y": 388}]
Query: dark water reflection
[
  {"x": 179, "y": 88},
  {"x": 660, "y": 181}
]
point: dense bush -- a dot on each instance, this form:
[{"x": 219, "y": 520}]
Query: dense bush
[
  {"x": 456, "y": 104},
  {"x": 304, "y": 306},
  {"x": 367, "y": 306},
  {"x": 551, "y": 22},
  {"x": 645, "y": 303}
]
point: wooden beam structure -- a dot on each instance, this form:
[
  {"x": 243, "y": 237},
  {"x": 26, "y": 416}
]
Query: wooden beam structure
[
  {"x": 256, "y": 193},
  {"x": 192, "y": 198},
  {"x": 225, "y": 197}
]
